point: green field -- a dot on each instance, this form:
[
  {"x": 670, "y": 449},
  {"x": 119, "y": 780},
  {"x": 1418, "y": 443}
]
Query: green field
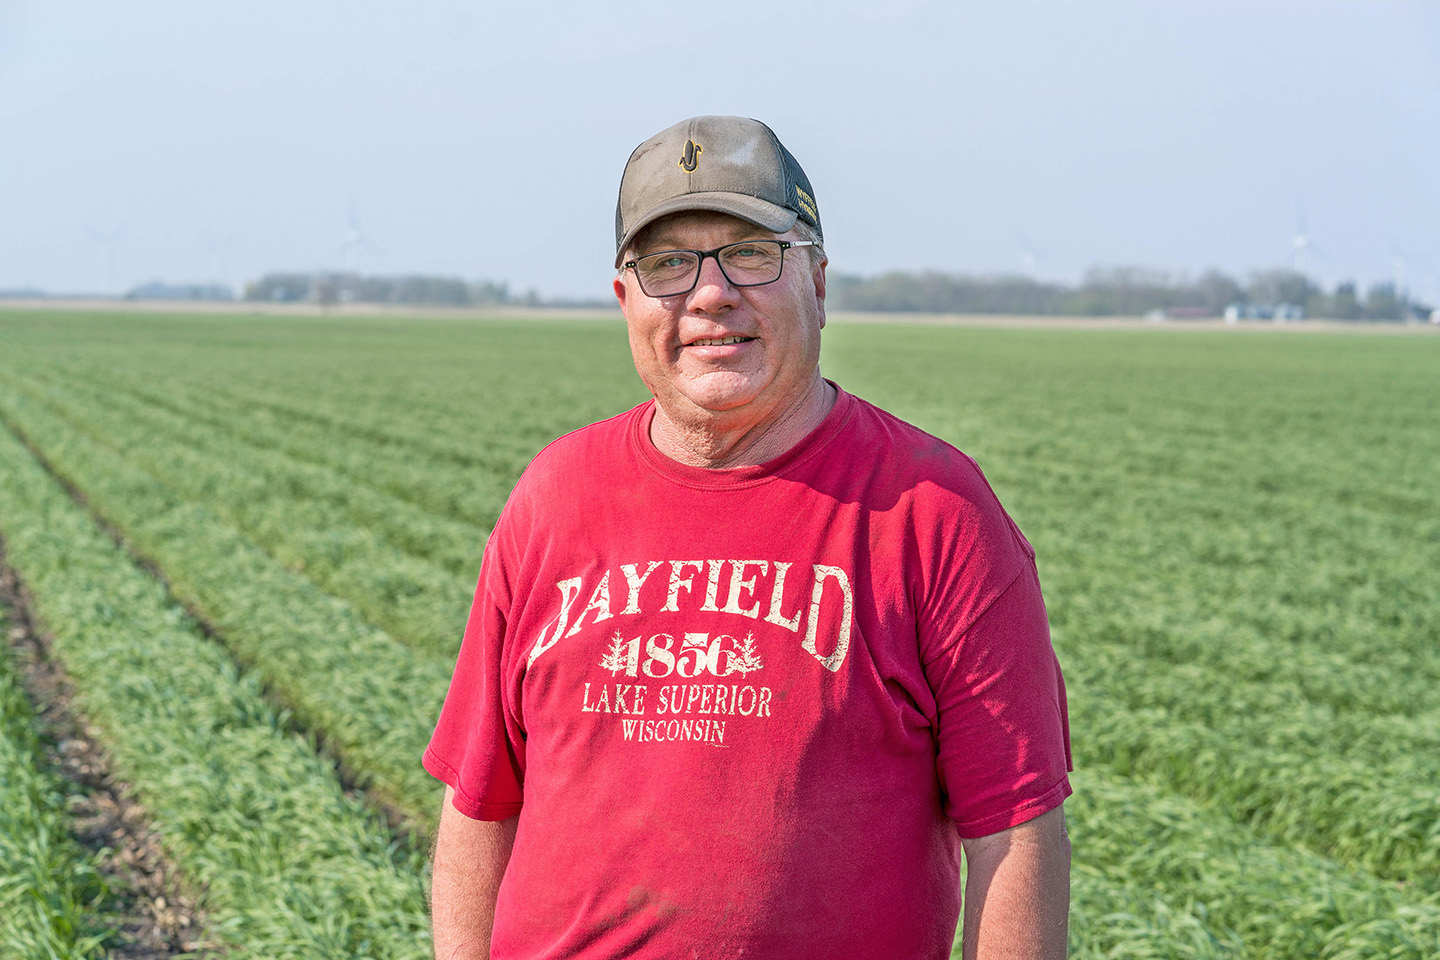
[{"x": 1238, "y": 535}]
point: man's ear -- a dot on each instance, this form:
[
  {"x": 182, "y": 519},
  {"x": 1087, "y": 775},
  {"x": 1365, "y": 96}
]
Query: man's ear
[
  {"x": 818, "y": 277},
  {"x": 620, "y": 292}
]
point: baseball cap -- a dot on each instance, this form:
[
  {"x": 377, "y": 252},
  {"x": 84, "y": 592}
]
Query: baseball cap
[{"x": 727, "y": 164}]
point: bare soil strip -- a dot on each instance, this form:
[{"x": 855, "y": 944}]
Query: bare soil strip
[{"x": 158, "y": 919}]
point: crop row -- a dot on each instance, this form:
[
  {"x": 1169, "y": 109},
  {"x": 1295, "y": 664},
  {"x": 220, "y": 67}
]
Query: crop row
[
  {"x": 1158, "y": 875},
  {"x": 467, "y": 478},
  {"x": 414, "y": 485},
  {"x": 476, "y": 388},
  {"x": 1346, "y": 586},
  {"x": 1334, "y": 779},
  {"x": 1238, "y": 539},
  {"x": 1223, "y": 563},
  {"x": 304, "y": 516},
  {"x": 1216, "y": 566},
  {"x": 51, "y": 890},
  {"x": 346, "y": 472},
  {"x": 463, "y": 497},
  {"x": 1243, "y": 898},
  {"x": 285, "y": 863},
  {"x": 1258, "y": 675},
  {"x": 483, "y": 396},
  {"x": 1193, "y": 436},
  {"x": 1316, "y": 672},
  {"x": 1239, "y": 564},
  {"x": 1332, "y": 774},
  {"x": 1276, "y": 482},
  {"x": 374, "y": 699}
]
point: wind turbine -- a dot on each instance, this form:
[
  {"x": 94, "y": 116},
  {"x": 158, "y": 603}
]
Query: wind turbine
[
  {"x": 217, "y": 250},
  {"x": 350, "y": 246},
  {"x": 1030, "y": 258},
  {"x": 1303, "y": 247},
  {"x": 108, "y": 239},
  {"x": 1434, "y": 277},
  {"x": 1398, "y": 252},
  {"x": 355, "y": 240},
  {"x": 1301, "y": 241}
]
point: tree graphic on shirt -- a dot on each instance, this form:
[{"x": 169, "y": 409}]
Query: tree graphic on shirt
[
  {"x": 616, "y": 660},
  {"x": 746, "y": 658}
]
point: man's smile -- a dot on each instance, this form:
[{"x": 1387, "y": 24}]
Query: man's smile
[{"x": 717, "y": 341}]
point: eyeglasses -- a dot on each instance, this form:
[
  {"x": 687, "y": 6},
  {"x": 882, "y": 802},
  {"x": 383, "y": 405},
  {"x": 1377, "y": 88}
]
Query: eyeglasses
[{"x": 749, "y": 263}]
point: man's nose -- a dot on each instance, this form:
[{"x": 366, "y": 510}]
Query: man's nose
[{"x": 712, "y": 288}]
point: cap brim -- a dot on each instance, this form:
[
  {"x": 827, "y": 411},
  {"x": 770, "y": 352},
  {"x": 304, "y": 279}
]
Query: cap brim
[{"x": 762, "y": 213}]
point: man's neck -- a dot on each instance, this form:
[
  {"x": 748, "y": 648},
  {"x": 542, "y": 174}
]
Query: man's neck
[{"x": 709, "y": 441}]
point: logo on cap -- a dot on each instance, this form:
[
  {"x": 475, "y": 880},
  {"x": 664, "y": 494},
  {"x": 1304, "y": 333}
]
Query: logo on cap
[
  {"x": 692, "y": 156},
  {"x": 807, "y": 204}
]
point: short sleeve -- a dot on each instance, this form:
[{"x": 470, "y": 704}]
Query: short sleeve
[
  {"x": 478, "y": 747},
  {"x": 1001, "y": 722}
]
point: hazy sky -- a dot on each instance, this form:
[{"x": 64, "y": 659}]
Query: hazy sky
[{"x": 196, "y": 140}]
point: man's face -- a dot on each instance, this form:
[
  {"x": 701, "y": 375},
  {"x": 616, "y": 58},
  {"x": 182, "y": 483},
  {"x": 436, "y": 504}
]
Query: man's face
[{"x": 770, "y": 352}]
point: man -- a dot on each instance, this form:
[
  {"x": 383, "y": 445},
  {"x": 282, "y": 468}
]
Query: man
[{"x": 750, "y": 663}]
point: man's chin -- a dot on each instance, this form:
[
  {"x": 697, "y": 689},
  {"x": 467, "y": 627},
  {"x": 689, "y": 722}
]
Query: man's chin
[
  {"x": 721, "y": 414},
  {"x": 719, "y": 393}
]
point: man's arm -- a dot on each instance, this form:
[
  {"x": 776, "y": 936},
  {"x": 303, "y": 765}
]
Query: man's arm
[
  {"x": 469, "y": 861},
  {"x": 1017, "y": 892}
]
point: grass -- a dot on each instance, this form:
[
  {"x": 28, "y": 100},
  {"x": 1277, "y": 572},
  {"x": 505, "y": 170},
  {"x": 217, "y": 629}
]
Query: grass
[
  {"x": 1237, "y": 531},
  {"x": 284, "y": 862},
  {"x": 370, "y": 696}
]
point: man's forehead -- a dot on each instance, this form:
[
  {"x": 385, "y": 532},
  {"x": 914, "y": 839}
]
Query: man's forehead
[{"x": 683, "y": 229}]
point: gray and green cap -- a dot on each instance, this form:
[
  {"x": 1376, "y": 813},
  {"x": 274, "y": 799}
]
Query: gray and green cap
[{"x": 726, "y": 164}]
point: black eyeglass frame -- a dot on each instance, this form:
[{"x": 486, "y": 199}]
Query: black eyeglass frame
[{"x": 700, "y": 264}]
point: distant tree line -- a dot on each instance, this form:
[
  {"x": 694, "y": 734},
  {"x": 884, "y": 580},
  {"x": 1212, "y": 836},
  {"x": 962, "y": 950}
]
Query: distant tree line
[
  {"x": 1124, "y": 291},
  {"x": 157, "y": 290},
  {"x": 412, "y": 290}
]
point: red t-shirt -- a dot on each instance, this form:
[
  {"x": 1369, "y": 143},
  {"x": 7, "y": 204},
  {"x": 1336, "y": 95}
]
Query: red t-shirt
[{"x": 751, "y": 712}]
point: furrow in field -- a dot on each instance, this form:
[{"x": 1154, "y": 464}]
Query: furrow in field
[
  {"x": 429, "y": 431},
  {"x": 149, "y": 910},
  {"x": 459, "y": 498},
  {"x": 333, "y": 468},
  {"x": 498, "y": 435},
  {"x": 288, "y": 865},
  {"x": 1232, "y": 613},
  {"x": 1289, "y": 677},
  {"x": 284, "y": 512},
  {"x": 477, "y": 386},
  {"x": 53, "y": 897},
  {"x": 1285, "y": 485},
  {"x": 373, "y": 699},
  {"x": 469, "y": 494},
  {"x": 1316, "y": 760},
  {"x": 1220, "y": 522},
  {"x": 1303, "y": 782},
  {"x": 484, "y": 462},
  {"x": 504, "y": 384}
]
